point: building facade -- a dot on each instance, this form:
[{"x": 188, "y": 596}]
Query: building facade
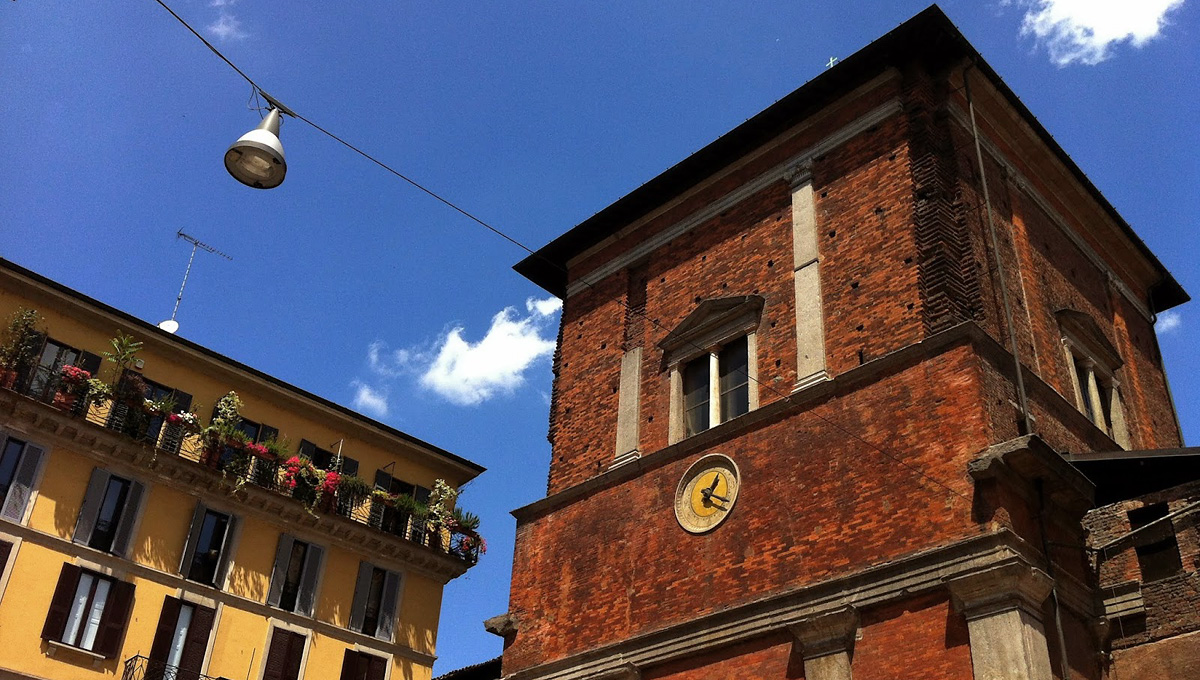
[
  {"x": 789, "y": 433},
  {"x": 141, "y": 539}
]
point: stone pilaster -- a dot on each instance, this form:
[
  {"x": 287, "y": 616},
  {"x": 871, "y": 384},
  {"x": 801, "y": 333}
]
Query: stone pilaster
[
  {"x": 1003, "y": 608},
  {"x": 826, "y": 642}
]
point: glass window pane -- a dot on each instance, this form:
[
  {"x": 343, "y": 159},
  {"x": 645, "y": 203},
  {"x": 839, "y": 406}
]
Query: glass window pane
[
  {"x": 291, "y": 582},
  {"x": 733, "y": 365},
  {"x": 374, "y": 597},
  {"x": 180, "y": 637},
  {"x": 110, "y": 514},
  {"x": 208, "y": 548},
  {"x": 94, "y": 613},
  {"x": 78, "y": 609},
  {"x": 695, "y": 395},
  {"x": 9, "y": 458}
]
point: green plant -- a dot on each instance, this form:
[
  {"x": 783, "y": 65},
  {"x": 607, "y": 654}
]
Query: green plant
[
  {"x": 278, "y": 449},
  {"x": 21, "y": 340},
  {"x": 441, "y": 503},
  {"x": 99, "y": 391},
  {"x": 354, "y": 488},
  {"x": 466, "y": 521},
  {"x": 124, "y": 352}
]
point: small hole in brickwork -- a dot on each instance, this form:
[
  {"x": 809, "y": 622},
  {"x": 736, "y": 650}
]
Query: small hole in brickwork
[
  {"x": 878, "y": 211},
  {"x": 772, "y": 324},
  {"x": 777, "y": 362},
  {"x": 617, "y": 389},
  {"x": 908, "y": 260},
  {"x": 910, "y": 306},
  {"x": 604, "y": 345},
  {"x": 703, "y": 258},
  {"x": 854, "y": 284},
  {"x": 697, "y": 298},
  {"x": 873, "y": 128},
  {"x": 862, "y": 359},
  {"x": 566, "y": 410},
  {"x": 663, "y": 280},
  {"x": 724, "y": 285},
  {"x": 859, "y": 327},
  {"x": 832, "y": 233},
  {"x": 892, "y": 157},
  {"x": 770, "y": 263},
  {"x": 650, "y": 419},
  {"x": 824, "y": 194}
]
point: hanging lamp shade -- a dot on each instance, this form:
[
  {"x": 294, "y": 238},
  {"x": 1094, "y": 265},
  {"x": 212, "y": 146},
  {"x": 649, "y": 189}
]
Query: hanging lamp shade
[{"x": 256, "y": 159}]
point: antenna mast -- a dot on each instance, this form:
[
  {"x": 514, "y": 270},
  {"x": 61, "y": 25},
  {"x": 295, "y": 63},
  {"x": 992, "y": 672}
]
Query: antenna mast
[{"x": 171, "y": 325}]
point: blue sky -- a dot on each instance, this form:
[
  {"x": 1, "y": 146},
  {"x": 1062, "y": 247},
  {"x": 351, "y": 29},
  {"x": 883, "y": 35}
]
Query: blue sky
[{"x": 533, "y": 116}]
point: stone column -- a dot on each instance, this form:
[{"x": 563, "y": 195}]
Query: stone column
[
  {"x": 810, "y": 321},
  {"x": 1120, "y": 431},
  {"x": 1003, "y": 608},
  {"x": 826, "y": 642}
]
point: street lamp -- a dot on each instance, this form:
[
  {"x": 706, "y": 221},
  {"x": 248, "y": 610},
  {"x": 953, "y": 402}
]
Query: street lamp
[{"x": 256, "y": 158}]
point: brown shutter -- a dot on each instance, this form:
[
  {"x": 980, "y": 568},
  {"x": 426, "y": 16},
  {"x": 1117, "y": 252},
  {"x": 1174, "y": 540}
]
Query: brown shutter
[
  {"x": 91, "y": 506},
  {"x": 114, "y": 618},
  {"x": 21, "y": 489},
  {"x": 161, "y": 647},
  {"x": 196, "y": 644},
  {"x": 350, "y": 665},
  {"x": 60, "y": 604},
  {"x": 376, "y": 667},
  {"x": 133, "y": 501},
  {"x": 295, "y": 656},
  {"x": 277, "y": 656}
]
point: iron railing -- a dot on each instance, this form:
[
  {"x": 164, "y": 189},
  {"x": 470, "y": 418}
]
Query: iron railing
[
  {"x": 143, "y": 668},
  {"x": 134, "y": 421}
]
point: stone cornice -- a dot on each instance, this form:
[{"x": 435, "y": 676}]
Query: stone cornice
[
  {"x": 915, "y": 574},
  {"x": 53, "y": 428},
  {"x": 826, "y": 633}
]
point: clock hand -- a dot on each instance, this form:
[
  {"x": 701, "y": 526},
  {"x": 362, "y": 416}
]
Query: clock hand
[
  {"x": 711, "y": 496},
  {"x": 716, "y": 480}
]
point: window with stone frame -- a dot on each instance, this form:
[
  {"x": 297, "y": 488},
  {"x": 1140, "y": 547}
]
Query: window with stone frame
[
  {"x": 711, "y": 358},
  {"x": 89, "y": 611},
  {"x": 1093, "y": 365},
  {"x": 1158, "y": 551}
]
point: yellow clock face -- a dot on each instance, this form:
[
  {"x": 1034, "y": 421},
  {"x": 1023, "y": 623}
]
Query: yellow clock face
[{"x": 706, "y": 494}]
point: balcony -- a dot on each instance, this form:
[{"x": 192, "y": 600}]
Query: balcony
[
  {"x": 142, "y": 668},
  {"x": 168, "y": 434}
]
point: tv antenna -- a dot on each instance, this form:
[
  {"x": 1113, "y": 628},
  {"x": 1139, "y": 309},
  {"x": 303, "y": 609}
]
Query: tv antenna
[{"x": 171, "y": 325}]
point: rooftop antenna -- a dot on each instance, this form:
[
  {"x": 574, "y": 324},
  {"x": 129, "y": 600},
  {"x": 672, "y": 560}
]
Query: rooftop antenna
[{"x": 171, "y": 325}]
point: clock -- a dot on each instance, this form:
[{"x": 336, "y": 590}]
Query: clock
[{"x": 706, "y": 493}]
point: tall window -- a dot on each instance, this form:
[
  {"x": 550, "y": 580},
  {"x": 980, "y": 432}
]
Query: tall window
[
  {"x": 294, "y": 575},
  {"x": 89, "y": 611},
  {"x": 362, "y": 666},
  {"x": 711, "y": 356},
  {"x": 285, "y": 656},
  {"x": 376, "y": 594},
  {"x": 716, "y": 387},
  {"x": 1158, "y": 556},
  {"x": 181, "y": 640},
  {"x": 109, "y": 511},
  {"x": 207, "y": 551},
  {"x": 1093, "y": 362},
  {"x": 19, "y": 464}
]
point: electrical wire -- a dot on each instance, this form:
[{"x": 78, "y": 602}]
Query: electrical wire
[{"x": 450, "y": 204}]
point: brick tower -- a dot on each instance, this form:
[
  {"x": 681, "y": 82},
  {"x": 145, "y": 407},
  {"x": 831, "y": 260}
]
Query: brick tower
[{"x": 788, "y": 435}]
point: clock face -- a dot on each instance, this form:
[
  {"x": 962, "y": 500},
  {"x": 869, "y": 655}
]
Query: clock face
[{"x": 706, "y": 493}]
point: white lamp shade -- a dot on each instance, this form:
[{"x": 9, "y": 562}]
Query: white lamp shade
[{"x": 256, "y": 159}]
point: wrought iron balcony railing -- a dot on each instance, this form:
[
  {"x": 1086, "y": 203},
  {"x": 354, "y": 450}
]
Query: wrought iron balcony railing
[
  {"x": 143, "y": 668},
  {"x": 155, "y": 430}
]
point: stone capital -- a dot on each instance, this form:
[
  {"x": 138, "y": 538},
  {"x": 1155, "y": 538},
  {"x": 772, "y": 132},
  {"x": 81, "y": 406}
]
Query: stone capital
[
  {"x": 502, "y": 625},
  {"x": 625, "y": 672},
  {"x": 1001, "y": 588},
  {"x": 827, "y": 633},
  {"x": 799, "y": 173}
]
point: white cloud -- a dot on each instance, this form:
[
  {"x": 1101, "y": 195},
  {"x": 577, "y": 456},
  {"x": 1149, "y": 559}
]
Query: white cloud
[
  {"x": 467, "y": 373},
  {"x": 227, "y": 27},
  {"x": 1168, "y": 321},
  {"x": 369, "y": 400},
  {"x": 1083, "y": 31},
  {"x": 221, "y": 3}
]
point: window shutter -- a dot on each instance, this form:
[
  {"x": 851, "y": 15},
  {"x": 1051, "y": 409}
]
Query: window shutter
[
  {"x": 387, "y": 606},
  {"x": 279, "y": 570},
  {"x": 22, "y": 486},
  {"x": 277, "y": 656},
  {"x": 112, "y": 622},
  {"x": 349, "y": 466},
  {"x": 307, "y": 449},
  {"x": 91, "y": 506},
  {"x": 383, "y": 481},
  {"x": 189, "y": 548},
  {"x": 350, "y": 661},
  {"x": 266, "y": 433},
  {"x": 88, "y": 362},
  {"x": 60, "y": 604},
  {"x": 362, "y": 588},
  {"x": 160, "y": 648},
  {"x": 376, "y": 668},
  {"x": 313, "y": 561},
  {"x": 129, "y": 514},
  {"x": 295, "y": 656},
  {"x": 196, "y": 644},
  {"x": 226, "y": 550}
]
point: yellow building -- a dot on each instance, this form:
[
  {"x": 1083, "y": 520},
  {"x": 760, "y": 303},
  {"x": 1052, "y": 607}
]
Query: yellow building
[{"x": 142, "y": 537}]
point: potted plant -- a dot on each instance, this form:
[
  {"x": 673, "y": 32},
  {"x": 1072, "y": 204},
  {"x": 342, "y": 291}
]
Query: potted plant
[
  {"x": 73, "y": 383},
  {"x": 352, "y": 491},
  {"x": 19, "y": 345}
]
